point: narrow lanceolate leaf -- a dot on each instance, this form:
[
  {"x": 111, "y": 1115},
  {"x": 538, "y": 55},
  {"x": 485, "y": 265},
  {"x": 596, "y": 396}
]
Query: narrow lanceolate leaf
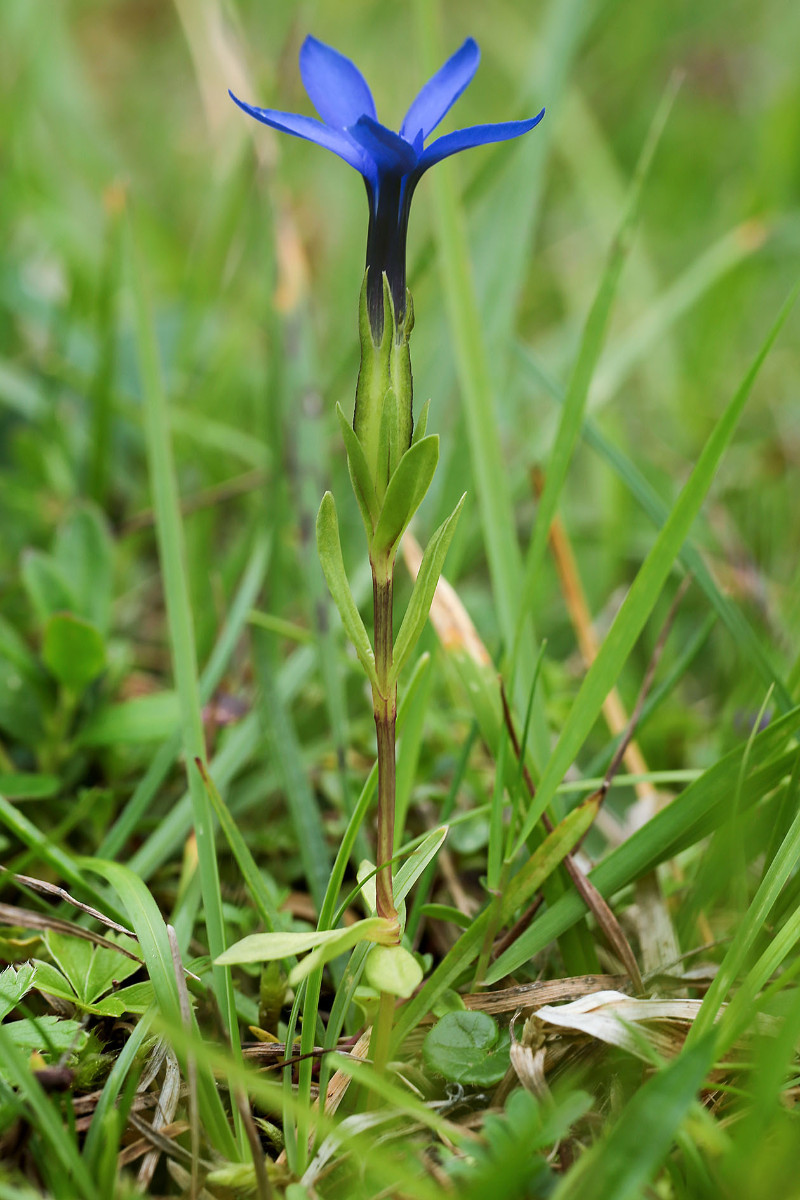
[
  {"x": 405, "y": 493},
  {"x": 271, "y": 947},
  {"x": 330, "y": 556},
  {"x": 416, "y": 863},
  {"x": 644, "y": 591},
  {"x": 547, "y": 856},
  {"x": 373, "y": 929},
  {"x": 363, "y": 487},
  {"x": 422, "y": 423},
  {"x": 424, "y": 587}
]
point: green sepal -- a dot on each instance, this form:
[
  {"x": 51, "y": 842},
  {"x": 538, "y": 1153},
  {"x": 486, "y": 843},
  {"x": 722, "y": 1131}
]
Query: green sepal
[
  {"x": 385, "y": 365},
  {"x": 363, "y": 487},
  {"x": 390, "y": 447},
  {"x": 329, "y": 548},
  {"x": 422, "y": 423},
  {"x": 405, "y": 493},
  {"x": 422, "y": 595}
]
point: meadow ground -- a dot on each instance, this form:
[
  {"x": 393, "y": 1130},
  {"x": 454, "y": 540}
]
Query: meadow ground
[{"x": 603, "y": 325}]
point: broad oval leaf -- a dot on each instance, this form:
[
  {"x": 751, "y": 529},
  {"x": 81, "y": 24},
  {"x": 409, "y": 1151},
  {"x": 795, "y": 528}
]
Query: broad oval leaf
[
  {"x": 393, "y": 969},
  {"x": 73, "y": 650},
  {"x": 467, "y": 1047}
]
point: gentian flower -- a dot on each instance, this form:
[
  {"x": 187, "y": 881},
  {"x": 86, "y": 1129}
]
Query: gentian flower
[{"x": 391, "y": 164}]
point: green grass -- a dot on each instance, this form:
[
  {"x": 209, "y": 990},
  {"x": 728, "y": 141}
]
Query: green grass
[{"x": 609, "y": 301}]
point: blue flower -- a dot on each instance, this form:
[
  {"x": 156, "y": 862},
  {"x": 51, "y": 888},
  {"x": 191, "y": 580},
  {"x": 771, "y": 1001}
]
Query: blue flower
[{"x": 391, "y": 163}]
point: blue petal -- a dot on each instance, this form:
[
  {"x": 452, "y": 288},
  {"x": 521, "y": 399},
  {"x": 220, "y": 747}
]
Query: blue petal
[
  {"x": 335, "y": 86},
  {"x": 311, "y": 130},
  {"x": 442, "y": 91},
  {"x": 476, "y": 135},
  {"x": 391, "y": 153}
]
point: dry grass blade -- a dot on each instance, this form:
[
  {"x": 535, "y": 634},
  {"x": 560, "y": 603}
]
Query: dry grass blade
[
  {"x": 164, "y": 1115},
  {"x": 11, "y": 915},
  {"x": 50, "y": 889},
  {"x": 339, "y": 1081},
  {"x": 191, "y": 1066},
  {"x": 644, "y": 1028},
  {"x": 162, "y": 1139},
  {"x": 527, "y": 1063},
  {"x": 544, "y": 991}
]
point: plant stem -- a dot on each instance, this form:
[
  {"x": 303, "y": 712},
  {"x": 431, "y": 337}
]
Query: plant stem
[
  {"x": 380, "y": 1039},
  {"x": 384, "y": 699}
]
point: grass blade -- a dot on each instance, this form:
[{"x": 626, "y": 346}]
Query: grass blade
[
  {"x": 645, "y": 590},
  {"x": 172, "y": 556},
  {"x": 618, "y": 1167},
  {"x": 591, "y": 345}
]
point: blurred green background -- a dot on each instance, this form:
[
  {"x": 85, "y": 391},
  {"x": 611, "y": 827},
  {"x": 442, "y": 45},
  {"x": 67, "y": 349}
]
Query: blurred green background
[{"x": 252, "y": 246}]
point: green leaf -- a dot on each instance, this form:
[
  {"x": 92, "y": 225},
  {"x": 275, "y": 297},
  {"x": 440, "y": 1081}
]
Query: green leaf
[
  {"x": 91, "y": 970},
  {"x": 73, "y": 650},
  {"x": 330, "y": 555},
  {"x": 389, "y": 449},
  {"x": 422, "y": 423},
  {"x": 419, "y": 605},
  {"x": 363, "y": 486},
  {"x": 84, "y": 552},
  {"x": 537, "y": 869},
  {"x": 53, "y": 982},
  {"x": 27, "y": 786},
  {"x": 153, "y": 938},
  {"x": 14, "y": 984},
  {"x": 467, "y": 1047},
  {"x": 15, "y": 650},
  {"x": 393, "y": 969},
  {"x": 137, "y": 998},
  {"x": 50, "y": 1035},
  {"x": 682, "y": 823},
  {"x": 247, "y": 865},
  {"x": 405, "y": 493},
  {"x": 267, "y": 947},
  {"x": 145, "y": 719},
  {"x": 416, "y": 862},
  {"x": 48, "y": 1119},
  {"x": 645, "y": 590},
  {"x": 372, "y": 929},
  {"x": 23, "y": 706},
  {"x": 47, "y": 587},
  {"x": 450, "y": 1001},
  {"x": 619, "y": 1166}
]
